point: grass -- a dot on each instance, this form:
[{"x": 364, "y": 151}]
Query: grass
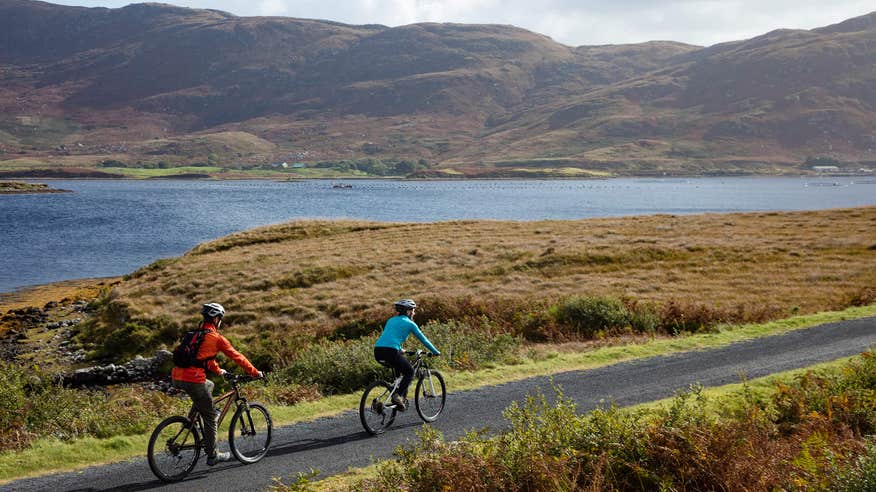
[
  {"x": 291, "y": 285},
  {"x": 51, "y": 455},
  {"x": 142, "y": 173}
]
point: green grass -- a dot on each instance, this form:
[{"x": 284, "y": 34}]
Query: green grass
[
  {"x": 52, "y": 455},
  {"x": 141, "y": 173}
]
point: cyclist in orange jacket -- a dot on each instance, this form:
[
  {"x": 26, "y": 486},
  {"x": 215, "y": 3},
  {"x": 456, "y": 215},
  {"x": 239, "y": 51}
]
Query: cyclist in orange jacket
[{"x": 193, "y": 380}]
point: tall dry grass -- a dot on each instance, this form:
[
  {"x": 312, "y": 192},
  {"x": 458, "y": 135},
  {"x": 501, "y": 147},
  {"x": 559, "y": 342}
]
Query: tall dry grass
[{"x": 291, "y": 284}]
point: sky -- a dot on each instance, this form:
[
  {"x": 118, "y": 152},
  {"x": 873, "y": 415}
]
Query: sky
[{"x": 571, "y": 22}]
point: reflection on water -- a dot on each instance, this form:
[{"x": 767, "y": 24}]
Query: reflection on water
[{"x": 111, "y": 228}]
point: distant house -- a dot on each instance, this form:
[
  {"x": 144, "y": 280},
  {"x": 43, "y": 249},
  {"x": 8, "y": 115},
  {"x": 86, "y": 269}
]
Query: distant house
[
  {"x": 280, "y": 164},
  {"x": 825, "y": 169}
]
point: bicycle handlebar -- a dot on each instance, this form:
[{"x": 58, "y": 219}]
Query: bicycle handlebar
[
  {"x": 420, "y": 353},
  {"x": 236, "y": 378}
]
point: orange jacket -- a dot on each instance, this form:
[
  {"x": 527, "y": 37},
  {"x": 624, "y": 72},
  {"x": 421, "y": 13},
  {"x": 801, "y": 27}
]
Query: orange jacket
[{"x": 213, "y": 344}]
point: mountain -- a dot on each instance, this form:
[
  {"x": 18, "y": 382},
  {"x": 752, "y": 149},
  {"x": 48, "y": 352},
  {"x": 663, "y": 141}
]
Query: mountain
[{"x": 153, "y": 83}]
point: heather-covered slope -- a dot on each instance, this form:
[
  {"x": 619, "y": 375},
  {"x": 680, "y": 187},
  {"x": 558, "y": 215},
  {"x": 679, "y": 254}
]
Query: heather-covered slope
[{"x": 153, "y": 83}]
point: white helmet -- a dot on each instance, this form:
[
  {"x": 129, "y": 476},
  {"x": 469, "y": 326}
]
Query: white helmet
[
  {"x": 405, "y": 304},
  {"x": 213, "y": 309}
]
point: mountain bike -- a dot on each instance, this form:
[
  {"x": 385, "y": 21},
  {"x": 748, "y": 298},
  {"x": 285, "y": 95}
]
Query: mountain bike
[
  {"x": 175, "y": 445},
  {"x": 376, "y": 410}
]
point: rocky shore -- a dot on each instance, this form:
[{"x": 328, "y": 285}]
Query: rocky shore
[
  {"x": 45, "y": 336},
  {"x": 17, "y": 187}
]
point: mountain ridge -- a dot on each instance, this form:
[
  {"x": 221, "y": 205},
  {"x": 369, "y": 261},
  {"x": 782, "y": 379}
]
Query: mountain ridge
[{"x": 140, "y": 83}]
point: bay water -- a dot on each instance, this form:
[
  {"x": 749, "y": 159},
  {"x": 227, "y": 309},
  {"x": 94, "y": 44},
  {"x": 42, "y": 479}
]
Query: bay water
[{"x": 108, "y": 228}]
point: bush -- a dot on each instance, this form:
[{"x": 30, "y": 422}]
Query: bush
[
  {"x": 590, "y": 315},
  {"x": 347, "y": 366},
  {"x": 693, "y": 444},
  {"x": 860, "y": 476},
  {"x": 466, "y": 348},
  {"x": 33, "y": 404},
  {"x": 335, "y": 367},
  {"x": 514, "y": 315}
]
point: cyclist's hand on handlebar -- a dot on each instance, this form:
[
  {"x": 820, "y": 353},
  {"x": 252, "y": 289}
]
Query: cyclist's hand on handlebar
[
  {"x": 261, "y": 374},
  {"x": 222, "y": 372}
]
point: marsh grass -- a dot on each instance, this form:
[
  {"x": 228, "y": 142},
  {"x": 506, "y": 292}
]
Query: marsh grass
[{"x": 295, "y": 285}]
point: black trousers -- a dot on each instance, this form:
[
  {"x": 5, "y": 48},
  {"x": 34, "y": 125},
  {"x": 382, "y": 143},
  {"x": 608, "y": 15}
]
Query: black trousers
[{"x": 396, "y": 359}]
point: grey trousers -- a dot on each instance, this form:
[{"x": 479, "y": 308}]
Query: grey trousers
[{"x": 202, "y": 397}]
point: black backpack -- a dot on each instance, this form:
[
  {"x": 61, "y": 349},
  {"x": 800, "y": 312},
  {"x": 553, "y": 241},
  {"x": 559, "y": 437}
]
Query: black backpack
[{"x": 186, "y": 353}]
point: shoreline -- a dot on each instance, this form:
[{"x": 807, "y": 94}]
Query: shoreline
[
  {"x": 39, "y": 295},
  {"x": 284, "y": 179},
  {"x": 23, "y": 187}
]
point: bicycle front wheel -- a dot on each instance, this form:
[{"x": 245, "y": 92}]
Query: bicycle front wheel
[
  {"x": 250, "y": 432},
  {"x": 174, "y": 448},
  {"x": 430, "y": 395},
  {"x": 373, "y": 411}
]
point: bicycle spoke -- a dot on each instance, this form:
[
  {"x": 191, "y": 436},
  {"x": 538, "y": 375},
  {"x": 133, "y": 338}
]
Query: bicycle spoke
[
  {"x": 429, "y": 396},
  {"x": 250, "y": 433},
  {"x": 375, "y": 410},
  {"x": 174, "y": 449}
]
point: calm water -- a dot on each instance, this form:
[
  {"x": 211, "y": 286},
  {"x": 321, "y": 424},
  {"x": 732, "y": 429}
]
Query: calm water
[{"x": 109, "y": 228}]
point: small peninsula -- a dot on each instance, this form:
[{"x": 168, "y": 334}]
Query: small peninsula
[{"x": 17, "y": 187}]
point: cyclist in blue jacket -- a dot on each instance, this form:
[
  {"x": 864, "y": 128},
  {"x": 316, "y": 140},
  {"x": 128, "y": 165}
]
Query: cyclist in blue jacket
[{"x": 388, "y": 349}]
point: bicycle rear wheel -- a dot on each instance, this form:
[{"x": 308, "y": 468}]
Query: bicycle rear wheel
[
  {"x": 250, "y": 432},
  {"x": 174, "y": 448},
  {"x": 373, "y": 410},
  {"x": 430, "y": 395}
]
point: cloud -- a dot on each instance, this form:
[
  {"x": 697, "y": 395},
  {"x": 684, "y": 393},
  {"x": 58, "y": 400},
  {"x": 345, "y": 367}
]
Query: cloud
[
  {"x": 272, "y": 7},
  {"x": 572, "y": 22}
]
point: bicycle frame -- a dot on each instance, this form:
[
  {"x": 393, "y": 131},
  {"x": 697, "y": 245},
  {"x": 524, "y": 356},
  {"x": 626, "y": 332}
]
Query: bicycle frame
[
  {"x": 421, "y": 371},
  {"x": 232, "y": 397}
]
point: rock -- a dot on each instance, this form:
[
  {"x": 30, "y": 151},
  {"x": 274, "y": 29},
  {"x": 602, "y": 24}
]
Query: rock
[
  {"x": 26, "y": 317},
  {"x": 81, "y": 306},
  {"x": 136, "y": 370}
]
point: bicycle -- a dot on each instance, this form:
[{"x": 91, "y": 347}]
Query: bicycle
[
  {"x": 175, "y": 444},
  {"x": 376, "y": 410}
]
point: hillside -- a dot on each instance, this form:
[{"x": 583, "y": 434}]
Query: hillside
[{"x": 153, "y": 85}]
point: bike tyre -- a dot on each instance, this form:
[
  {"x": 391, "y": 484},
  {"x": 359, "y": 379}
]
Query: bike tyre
[
  {"x": 427, "y": 409},
  {"x": 154, "y": 454},
  {"x": 250, "y": 418},
  {"x": 376, "y": 389}
]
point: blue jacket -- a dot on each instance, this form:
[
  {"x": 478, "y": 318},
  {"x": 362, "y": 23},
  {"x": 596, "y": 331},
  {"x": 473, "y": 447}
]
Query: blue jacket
[{"x": 397, "y": 330}]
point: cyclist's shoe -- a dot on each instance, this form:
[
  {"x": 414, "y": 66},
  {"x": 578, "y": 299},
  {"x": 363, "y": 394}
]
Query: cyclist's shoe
[
  {"x": 399, "y": 402},
  {"x": 220, "y": 457}
]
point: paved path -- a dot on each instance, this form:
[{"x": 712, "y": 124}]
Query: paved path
[{"x": 333, "y": 444}]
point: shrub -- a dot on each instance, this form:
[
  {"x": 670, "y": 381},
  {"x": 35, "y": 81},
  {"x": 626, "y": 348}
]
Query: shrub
[
  {"x": 678, "y": 318},
  {"x": 33, "y": 404},
  {"x": 467, "y": 348},
  {"x": 590, "y": 315},
  {"x": 693, "y": 444},
  {"x": 346, "y": 366},
  {"x": 860, "y": 475},
  {"x": 335, "y": 367}
]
